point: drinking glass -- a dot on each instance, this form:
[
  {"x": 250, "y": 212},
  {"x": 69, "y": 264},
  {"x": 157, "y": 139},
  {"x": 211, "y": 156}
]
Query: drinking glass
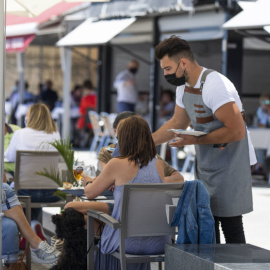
[{"x": 78, "y": 168}]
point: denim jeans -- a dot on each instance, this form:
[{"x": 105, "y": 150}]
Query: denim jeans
[
  {"x": 10, "y": 240},
  {"x": 10, "y": 233},
  {"x": 39, "y": 195},
  {"x": 124, "y": 106},
  {"x": 10, "y": 199}
]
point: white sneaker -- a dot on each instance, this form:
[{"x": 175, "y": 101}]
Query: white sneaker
[{"x": 45, "y": 253}]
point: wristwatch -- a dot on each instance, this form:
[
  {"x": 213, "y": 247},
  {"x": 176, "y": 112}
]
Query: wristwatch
[{"x": 88, "y": 182}]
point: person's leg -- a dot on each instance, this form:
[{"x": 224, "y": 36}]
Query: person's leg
[
  {"x": 39, "y": 195},
  {"x": 16, "y": 213},
  {"x": 10, "y": 240},
  {"x": 41, "y": 253},
  {"x": 233, "y": 229},
  {"x": 217, "y": 230}
]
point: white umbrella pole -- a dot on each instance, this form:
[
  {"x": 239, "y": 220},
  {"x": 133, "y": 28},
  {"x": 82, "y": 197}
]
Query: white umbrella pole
[
  {"x": 2, "y": 106},
  {"x": 66, "y": 95}
]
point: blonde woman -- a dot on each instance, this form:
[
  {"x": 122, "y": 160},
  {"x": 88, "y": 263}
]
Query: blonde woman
[{"x": 40, "y": 129}]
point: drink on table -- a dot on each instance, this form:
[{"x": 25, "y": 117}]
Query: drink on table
[
  {"x": 78, "y": 173},
  {"x": 78, "y": 168}
]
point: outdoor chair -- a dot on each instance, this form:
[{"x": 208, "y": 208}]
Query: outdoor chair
[
  {"x": 174, "y": 151},
  {"x": 99, "y": 136},
  {"x": 25, "y": 177},
  {"x": 108, "y": 129},
  {"x": 189, "y": 163},
  {"x": 146, "y": 210}
]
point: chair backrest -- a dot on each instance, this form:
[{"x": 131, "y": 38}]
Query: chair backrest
[
  {"x": 108, "y": 129},
  {"x": 28, "y": 163},
  {"x": 147, "y": 209},
  {"x": 94, "y": 119}
]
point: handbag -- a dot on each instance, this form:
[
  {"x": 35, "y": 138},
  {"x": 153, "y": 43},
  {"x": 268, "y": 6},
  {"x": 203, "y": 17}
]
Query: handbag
[{"x": 19, "y": 265}]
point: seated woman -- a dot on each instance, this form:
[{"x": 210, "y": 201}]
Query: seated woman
[
  {"x": 137, "y": 164},
  {"x": 104, "y": 156},
  {"x": 39, "y": 131},
  {"x": 14, "y": 218}
]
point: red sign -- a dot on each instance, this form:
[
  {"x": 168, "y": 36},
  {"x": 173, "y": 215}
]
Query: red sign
[{"x": 18, "y": 44}]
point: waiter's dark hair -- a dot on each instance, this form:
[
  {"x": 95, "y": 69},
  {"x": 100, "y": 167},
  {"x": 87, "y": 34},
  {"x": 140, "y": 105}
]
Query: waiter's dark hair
[{"x": 174, "y": 47}]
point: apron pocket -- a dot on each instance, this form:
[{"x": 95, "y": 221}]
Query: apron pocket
[{"x": 210, "y": 158}]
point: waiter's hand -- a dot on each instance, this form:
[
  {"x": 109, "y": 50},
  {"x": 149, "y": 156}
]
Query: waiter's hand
[{"x": 182, "y": 140}]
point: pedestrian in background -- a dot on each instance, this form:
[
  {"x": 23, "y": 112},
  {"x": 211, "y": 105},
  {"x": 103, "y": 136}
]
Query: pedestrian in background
[{"x": 126, "y": 87}]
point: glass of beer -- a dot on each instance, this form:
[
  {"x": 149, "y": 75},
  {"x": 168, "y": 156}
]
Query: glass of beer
[{"x": 78, "y": 167}]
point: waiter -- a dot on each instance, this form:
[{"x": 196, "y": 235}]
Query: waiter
[{"x": 209, "y": 102}]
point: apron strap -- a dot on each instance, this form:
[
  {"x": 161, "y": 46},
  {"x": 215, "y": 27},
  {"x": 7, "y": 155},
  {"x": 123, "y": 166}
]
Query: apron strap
[{"x": 206, "y": 72}]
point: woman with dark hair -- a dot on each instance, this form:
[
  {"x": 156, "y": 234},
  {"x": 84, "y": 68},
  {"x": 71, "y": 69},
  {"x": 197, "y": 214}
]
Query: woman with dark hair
[{"x": 137, "y": 164}]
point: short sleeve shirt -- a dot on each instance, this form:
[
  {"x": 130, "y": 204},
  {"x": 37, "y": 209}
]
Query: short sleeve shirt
[{"x": 217, "y": 91}]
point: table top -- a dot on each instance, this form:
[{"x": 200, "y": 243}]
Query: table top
[
  {"x": 226, "y": 253},
  {"x": 79, "y": 192}
]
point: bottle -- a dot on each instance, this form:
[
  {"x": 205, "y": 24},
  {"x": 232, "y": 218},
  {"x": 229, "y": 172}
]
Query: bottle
[{"x": 92, "y": 171}]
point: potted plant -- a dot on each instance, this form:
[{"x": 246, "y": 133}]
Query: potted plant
[{"x": 64, "y": 147}]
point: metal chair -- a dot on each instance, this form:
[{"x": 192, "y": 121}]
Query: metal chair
[
  {"x": 99, "y": 136},
  {"x": 174, "y": 151},
  {"x": 189, "y": 162},
  {"x": 108, "y": 129},
  {"x": 146, "y": 210},
  {"x": 25, "y": 177}
]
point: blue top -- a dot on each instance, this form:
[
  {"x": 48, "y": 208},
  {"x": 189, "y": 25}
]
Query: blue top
[
  {"x": 116, "y": 152},
  {"x": 263, "y": 117},
  {"x": 134, "y": 245}
]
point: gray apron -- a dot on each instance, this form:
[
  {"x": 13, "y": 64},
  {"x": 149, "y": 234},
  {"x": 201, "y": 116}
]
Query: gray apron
[{"x": 225, "y": 171}]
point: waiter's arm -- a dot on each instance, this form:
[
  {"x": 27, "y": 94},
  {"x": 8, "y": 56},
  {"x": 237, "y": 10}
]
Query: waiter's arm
[
  {"x": 233, "y": 130},
  {"x": 180, "y": 119}
]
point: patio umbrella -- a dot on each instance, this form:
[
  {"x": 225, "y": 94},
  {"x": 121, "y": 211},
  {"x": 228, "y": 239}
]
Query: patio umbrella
[
  {"x": 33, "y": 7},
  {"x": 26, "y": 8}
]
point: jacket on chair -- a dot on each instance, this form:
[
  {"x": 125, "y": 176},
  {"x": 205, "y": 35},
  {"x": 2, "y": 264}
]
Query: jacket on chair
[{"x": 193, "y": 215}]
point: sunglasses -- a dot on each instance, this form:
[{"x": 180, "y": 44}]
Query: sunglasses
[{"x": 265, "y": 102}]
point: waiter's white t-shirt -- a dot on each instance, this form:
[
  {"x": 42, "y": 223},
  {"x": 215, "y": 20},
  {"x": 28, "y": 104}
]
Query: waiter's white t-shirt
[{"x": 217, "y": 91}]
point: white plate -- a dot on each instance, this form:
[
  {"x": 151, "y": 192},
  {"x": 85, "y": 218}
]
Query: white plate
[
  {"x": 188, "y": 132},
  {"x": 73, "y": 188}
]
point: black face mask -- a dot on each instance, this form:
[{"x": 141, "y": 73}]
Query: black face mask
[
  {"x": 172, "y": 79},
  {"x": 133, "y": 70}
]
